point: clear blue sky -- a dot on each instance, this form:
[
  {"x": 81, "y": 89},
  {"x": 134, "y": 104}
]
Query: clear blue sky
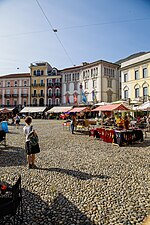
[{"x": 89, "y": 30}]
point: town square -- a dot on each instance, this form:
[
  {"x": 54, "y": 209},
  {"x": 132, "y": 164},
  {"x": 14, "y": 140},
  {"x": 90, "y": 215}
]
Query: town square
[{"x": 78, "y": 179}]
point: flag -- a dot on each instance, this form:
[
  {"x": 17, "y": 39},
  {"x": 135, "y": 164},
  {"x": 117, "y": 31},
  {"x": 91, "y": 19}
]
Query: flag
[{"x": 84, "y": 99}]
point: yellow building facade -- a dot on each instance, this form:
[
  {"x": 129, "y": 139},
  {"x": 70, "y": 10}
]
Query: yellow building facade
[
  {"x": 39, "y": 72},
  {"x": 135, "y": 79}
]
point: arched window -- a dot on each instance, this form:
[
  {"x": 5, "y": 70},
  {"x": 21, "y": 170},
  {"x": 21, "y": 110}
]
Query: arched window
[
  {"x": 50, "y": 91},
  {"x": 49, "y": 101},
  {"x": 34, "y": 101},
  {"x": 42, "y": 72},
  {"x": 57, "y": 101},
  {"x": 34, "y": 72},
  {"x": 126, "y": 92},
  {"x": 57, "y": 91}
]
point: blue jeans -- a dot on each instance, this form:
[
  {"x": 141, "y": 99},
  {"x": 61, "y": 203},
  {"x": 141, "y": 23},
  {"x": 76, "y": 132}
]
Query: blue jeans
[{"x": 72, "y": 128}]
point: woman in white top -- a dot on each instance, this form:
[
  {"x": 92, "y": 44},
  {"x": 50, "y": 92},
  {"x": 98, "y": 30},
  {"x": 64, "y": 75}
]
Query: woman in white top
[{"x": 30, "y": 150}]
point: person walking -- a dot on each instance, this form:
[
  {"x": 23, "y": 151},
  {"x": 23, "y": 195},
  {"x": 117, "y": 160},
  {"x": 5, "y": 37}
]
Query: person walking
[{"x": 31, "y": 150}]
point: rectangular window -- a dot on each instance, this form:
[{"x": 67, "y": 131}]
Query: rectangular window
[
  {"x": 86, "y": 85},
  {"x": 136, "y": 92},
  {"x": 125, "y": 77},
  {"x": 144, "y": 72},
  {"x": 126, "y": 94},
  {"x": 67, "y": 87},
  {"x": 109, "y": 83},
  {"x": 8, "y": 102},
  {"x": 34, "y": 92},
  {"x": 136, "y": 74},
  {"x": 94, "y": 84},
  {"x": 75, "y": 86}
]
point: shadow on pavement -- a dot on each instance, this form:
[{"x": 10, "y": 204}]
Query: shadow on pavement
[
  {"x": 12, "y": 156},
  {"x": 75, "y": 173}
]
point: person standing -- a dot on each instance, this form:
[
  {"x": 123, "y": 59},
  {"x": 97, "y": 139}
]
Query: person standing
[
  {"x": 73, "y": 123},
  {"x": 17, "y": 119},
  {"x": 30, "y": 150}
]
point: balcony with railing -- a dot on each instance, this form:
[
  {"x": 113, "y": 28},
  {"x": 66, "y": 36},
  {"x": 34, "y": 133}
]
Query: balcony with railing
[
  {"x": 34, "y": 85},
  {"x": 57, "y": 84},
  {"x": 40, "y": 95},
  {"x": 24, "y": 95},
  {"x": 41, "y": 85},
  {"x": 7, "y": 95},
  {"x": 15, "y": 95},
  {"x": 50, "y": 84},
  {"x": 34, "y": 95}
]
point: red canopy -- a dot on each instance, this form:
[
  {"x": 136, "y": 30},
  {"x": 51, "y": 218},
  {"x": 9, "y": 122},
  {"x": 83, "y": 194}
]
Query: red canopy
[
  {"x": 111, "y": 108},
  {"x": 78, "y": 109}
]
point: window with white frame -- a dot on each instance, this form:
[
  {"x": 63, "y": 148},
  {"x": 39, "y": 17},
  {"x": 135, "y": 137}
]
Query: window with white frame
[
  {"x": 125, "y": 77},
  {"x": 49, "y": 101},
  {"x": 57, "y": 91},
  {"x": 57, "y": 101},
  {"x": 75, "y": 86},
  {"x": 94, "y": 83},
  {"x": 15, "y": 91},
  {"x": 145, "y": 72},
  {"x": 136, "y": 74},
  {"x": 86, "y": 85},
  {"x": 8, "y": 92},
  {"x": 67, "y": 87},
  {"x": 109, "y": 83},
  {"x": 50, "y": 91},
  {"x": 24, "y": 91}
]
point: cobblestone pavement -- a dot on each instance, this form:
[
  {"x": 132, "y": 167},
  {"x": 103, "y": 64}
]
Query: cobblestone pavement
[{"x": 79, "y": 179}]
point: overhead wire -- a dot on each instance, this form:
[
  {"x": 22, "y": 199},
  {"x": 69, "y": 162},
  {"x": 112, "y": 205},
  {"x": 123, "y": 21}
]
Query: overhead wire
[
  {"x": 104, "y": 23},
  {"x": 55, "y": 30},
  {"x": 74, "y": 27}
]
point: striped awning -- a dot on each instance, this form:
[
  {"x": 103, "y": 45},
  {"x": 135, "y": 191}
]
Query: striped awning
[{"x": 112, "y": 107}]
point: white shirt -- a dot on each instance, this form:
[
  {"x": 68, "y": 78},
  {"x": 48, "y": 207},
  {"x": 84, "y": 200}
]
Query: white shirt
[{"x": 27, "y": 130}]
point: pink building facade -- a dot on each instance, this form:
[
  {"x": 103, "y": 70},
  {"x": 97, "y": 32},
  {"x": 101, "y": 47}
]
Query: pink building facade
[{"x": 15, "y": 90}]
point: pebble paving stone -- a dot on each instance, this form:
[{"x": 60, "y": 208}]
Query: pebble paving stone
[{"x": 79, "y": 179}]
